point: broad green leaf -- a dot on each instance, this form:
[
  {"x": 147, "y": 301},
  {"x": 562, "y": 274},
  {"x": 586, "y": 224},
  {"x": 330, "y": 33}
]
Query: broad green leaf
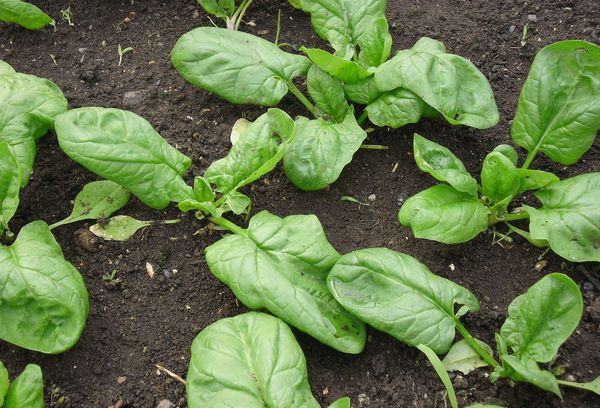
[
  {"x": 341, "y": 403},
  {"x": 123, "y": 147},
  {"x": 544, "y": 317},
  {"x": 257, "y": 152},
  {"x": 23, "y": 13},
  {"x": 449, "y": 83},
  {"x": 218, "y": 8},
  {"x": 118, "y": 228},
  {"x": 461, "y": 357},
  {"x": 29, "y": 106},
  {"x": 250, "y": 361},
  {"x": 202, "y": 190},
  {"x": 508, "y": 151},
  {"x": 443, "y": 165},
  {"x": 397, "y": 294},
  {"x": 441, "y": 372},
  {"x": 237, "y": 66},
  {"x": 363, "y": 92},
  {"x": 375, "y": 43},
  {"x": 27, "y": 390},
  {"x": 527, "y": 370},
  {"x": 396, "y": 108},
  {"x": 238, "y": 203},
  {"x": 559, "y": 107},
  {"x": 499, "y": 177},
  {"x": 281, "y": 264},
  {"x": 327, "y": 93},
  {"x": 5, "y": 68},
  {"x": 4, "y": 383},
  {"x": 535, "y": 179},
  {"x": 342, "y": 69},
  {"x": 442, "y": 214},
  {"x": 320, "y": 151},
  {"x": 238, "y": 128},
  {"x": 44, "y": 303},
  {"x": 593, "y": 386},
  {"x": 10, "y": 182},
  {"x": 570, "y": 217}
]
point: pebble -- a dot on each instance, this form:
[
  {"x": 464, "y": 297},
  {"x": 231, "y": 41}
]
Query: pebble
[
  {"x": 512, "y": 28},
  {"x": 461, "y": 382},
  {"x": 588, "y": 286},
  {"x": 165, "y": 404},
  {"x": 85, "y": 240},
  {"x": 133, "y": 98},
  {"x": 364, "y": 400},
  {"x": 532, "y": 18},
  {"x": 121, "y": 380}
]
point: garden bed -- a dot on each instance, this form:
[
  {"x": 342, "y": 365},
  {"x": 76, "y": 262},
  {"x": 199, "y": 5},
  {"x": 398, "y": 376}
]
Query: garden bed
[{"x": 140, "y": 321}]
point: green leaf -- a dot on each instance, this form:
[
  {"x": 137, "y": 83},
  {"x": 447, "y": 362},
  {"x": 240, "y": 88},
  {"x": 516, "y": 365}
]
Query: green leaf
[
  {"x": 29, "y": 106},
  {"x": 251, "y": 361},
  {"x": 570, "y": 217},
  {"x": 327, "y": 93},
  {"x": 281, "y": 264},
  {"x": 27, "y": 390},
  {"x": 442, "y": 214},
  {"x": 441, "y": 372},
  {"x": 527, "y": 370},
  {"x": 398, "y": 295},
  {"x": 461, "y": 357},
  {"x": 449, "y": 83},
  {"x": 239, "y": 127},
  {"x": 237, "y": 66},
  {"x": 10, "y": 182},
  {"x": 238, "y": 203},
  {"x": 257, "y": 152},
  {"x": 508, "y": 151},
  {"x": 44, "y": 303},
  {"x": 535, "y": 179},
  {"x": 123, "y": 147},
  {"x": 363, "y": 92},
  {"x": 320, "y": 150},
  {"x": 375, "y": 43},
  {"x": 443, "y": 165},
  {"x": 396, "y": 108},
  {"x": 4, "y": 383},
  {"x": 202, "y": 190},
  {"x": 218, "y": 8},
  {"x": 499, "y": 177},
  {"x": 341, "y": 403},
  {"x": 593, "y": 386},
  {"x": 342, "y": 69},
  {"x": 559, "y": 107},
  {"x": 5, "y": 68},
  {"x": 24, "y": 14},
  {"x": 543, "y": 318},
  {"x": 118, "y": 228}
]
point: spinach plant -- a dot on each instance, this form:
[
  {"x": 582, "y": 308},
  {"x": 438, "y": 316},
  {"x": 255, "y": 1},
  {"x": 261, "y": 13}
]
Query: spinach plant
[
  {"x": 423, "y": 81},
  {"x": 24, "y": 14},
  {"x": 27, "y": 390},
  {"x": 396, "y": 294},
  {"x": 227, "y": 10},
  {"x": 558, "y": 114}
]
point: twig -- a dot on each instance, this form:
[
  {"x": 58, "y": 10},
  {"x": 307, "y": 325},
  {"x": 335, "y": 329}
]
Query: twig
[{"x": 171, "y": 374}]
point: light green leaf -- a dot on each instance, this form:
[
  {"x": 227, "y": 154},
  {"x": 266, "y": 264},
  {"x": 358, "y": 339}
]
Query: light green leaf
[
  {"x": 570, "y": 217},
  {"x": 559, "y": 106},
  {"x": 10, "y": 182},
  {"x": 499, "y": 177},
  {"x": 202, "y": 190},
  {"x": 238, "y": 203},
  {"x": 396, "y": 108},
  {"x": 342, "y": 69},
  {"x": 5, "y": 68},
  {"x": 237, "y": 66},
  {"x": 442, "y": 214},
  {"x": 27, "y": 390},
  {"x": 543, "y": 318},
  {"x": 239, "y": 127},
  {"x": 341, "y": 403},
  {"x": 43, "y": 303},
  {"x": 281, "y": 264},
  {"x": 443, "y": 165},
  {"x": 461, "y": 357},
  {"x": 508, "y": 151},
  {"x": 375, "y": 43},
  {"x": 218, "y": 8},
  {"x": 363, "y": 92},
  {"x": 250, "y": 361},
  {"x": 527, "y": 370},
  {"x": 123, "y": 147},
  {"x": 23, "y": 13},
  {"x": 593, "y": 386},
  {"x": 4, "y": 383},
  {"x": 450, "y": 84},
  {"x": 320, "y": 151},
  {"x": 441, "y": 372},
  {"x": 535, "y": 179},
  {"x": 397, "y": 294},
  {"x": 327, "y": 93},
  {"x": 118, "y": 228}
]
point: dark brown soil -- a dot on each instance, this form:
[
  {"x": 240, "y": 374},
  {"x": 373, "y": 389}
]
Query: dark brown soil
[{"x": 142, "y": 322}]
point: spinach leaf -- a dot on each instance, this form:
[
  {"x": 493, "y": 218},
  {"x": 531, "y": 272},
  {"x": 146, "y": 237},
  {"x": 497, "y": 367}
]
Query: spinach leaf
[
  {"x": 24, "y": 14},
  {"x": 559, "y": 107},
  {"x": 508, "y": 151},
  {"x": 442, "y": 214},
  {"x": 237, "y": 66},
  {"x": 535, "y": 179},
  {"x": 396, "y": 108},
  {"x": 320, "y": 151},
  {"x": 44, "y": 303},
  {"x": 118, "y": 228},
  {"x": 123, "y": 147},
  {"x": 461, "y": 357},
  {"x": 443, "y": 165},
  {"x": 218, "y": 8},
  {"x": 238, "y": 203},
  {"x": 4, "y": 383},
  {"x": 449, "y": 83},
  {"x": 441, "y": 372},
  {"x": 340, "y": 68},
  {"x": 570, "y": 217},
  {"x": 251, "y": 360},
  {"x": 29, "y": 106},
  {"x": 10, "y": 182},
  {"x": 27, "y": 390},
  {"x": 281, "y": 264},
  {"x": 375, "y": 43},
  {"x": 341, "y": 403},
  {"x": 499, "y": 177},
  {"x": 527, "y": 370},
  {"x": 5, "y": 68},
  {"x": 327, "y": 93},
  {"x": 364, "y": 91},
  {"x": 397, "y": 294},
  {"x": 202, "y": 190}
]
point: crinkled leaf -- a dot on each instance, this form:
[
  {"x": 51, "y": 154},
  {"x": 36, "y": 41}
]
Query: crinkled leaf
[
  {"x": 442, "y": 214},
  {"x": 5, "y": 68},
  {"x": 320, "y": 151},
  {"x": 43, "y": 302},
  {"x": 544, "y": 317},
  {"x": 461, "y": 357},
  {"x": 449, "y": 83},
  {"x": 508, "y": 151},
  {"x": 559, "y": 107},
  {"x": 396, "y": 108},
  {"x": 29, "y": 106},
  {"x": 535, "y": 179},
  {"x": 341, "y": 403},
  {"x": 342, "y": 69},
  {"x": 237, "y": 66},
  {"x": 281, "y": 264},
  {"x": 439, "y": 368},
  {"x": 118, "y": 228},
  {"x": 123, "y": 147},
  {"x": 23, "y": 13},
  {"x": 98, "y": 199},
  {"x": 238, "y": 203},
  {"x": 218, "y": 8},
  {"x": 250, "y": 361},
  {"x": 363, "y": 92},
  {"x": 27, "y": 390},
  {"x": 527, "y": 370},
  {"x": 397, "y": 294},
  {"x": 259, "y": 149},
  {"x": 443, "y": 165},
  {"x": 570, "y": 217},
  {"x": 499, "y": 177},
  {"x": 327, "y": 93},
  {"x": 4, "y": 383},
  {"x": 10, "y": 183}
]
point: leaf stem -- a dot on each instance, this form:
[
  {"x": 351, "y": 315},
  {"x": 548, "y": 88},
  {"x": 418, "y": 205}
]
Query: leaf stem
[
  {"x": 584, "y": 386},
  {"x": 521, "y": 215},
  {"x": 278, "y": 27},
  {"x": 229, "y": 226},
  {"x": 373, "y": 147},
  {"x": 363, "y": 116},
  {"x": 474, "y": 344},
  {"x": 308, "y": 104},
  {"x": 241, "y": 12},
  {"x": 530, "y": 156},
  {"x": 175, "y": 221}
]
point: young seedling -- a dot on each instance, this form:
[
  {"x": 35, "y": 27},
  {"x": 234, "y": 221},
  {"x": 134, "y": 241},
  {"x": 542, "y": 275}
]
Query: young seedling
[
  {"x": 67, "y": 16},
  {"x": 111, "y": 278},
  {"x": 24, "y": 14},
  {"x": 123, "y": 51},
  {"x": 227, "y": 10}
]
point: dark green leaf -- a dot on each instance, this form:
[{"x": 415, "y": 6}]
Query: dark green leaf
[
  {"x": 508, "y": 151},
  {"x": 535, "y": 179},
  {"x": 10, "y": 182},
  {"x": 341, "y": 403},
  {"x": 499, "y": 177},
  {"x": 527, "y": 370},
  {"x": 327, "y": 93},
  {"x": 363, "y": 92},
  {"x": 4, "y": 383},
  {"x": 218, "y": 8},
  {"x": 396, "y": 108},
  {"x": 344, "y": 70},
  {"x": 202, "y": 190},
  {"x": 24, "y": 14},
  {"x": 238, "y": 203},
  {"x": 27, "y": 390}
]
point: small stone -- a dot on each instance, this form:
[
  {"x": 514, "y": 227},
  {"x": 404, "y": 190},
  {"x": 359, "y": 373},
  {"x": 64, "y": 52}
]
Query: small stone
[
  {"x": 165, "y": 404},
  {"x": 364, "y": 400},
  {"x": 372, "y": 197},
  {"x": 325, "y": 391},
  {"x": 460, "y": 382},
  {"x": 133, "y": 98},
  {"x": 541, "y": 265},
  {"x": 127, "y": 20},
  {"x": 263, "y": 32},
  {"x": 121, "y": 380},
  {"x": 588, "y": 286},
  {"x": 570, "y": 377},
  {"x": 85, "y": 240},
  {"x": 532, "y": 18},
  {"x": 512, "y": 28}
]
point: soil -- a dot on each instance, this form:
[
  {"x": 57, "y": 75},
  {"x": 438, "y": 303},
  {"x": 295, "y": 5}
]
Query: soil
[{"x": 140, "y": 322}]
